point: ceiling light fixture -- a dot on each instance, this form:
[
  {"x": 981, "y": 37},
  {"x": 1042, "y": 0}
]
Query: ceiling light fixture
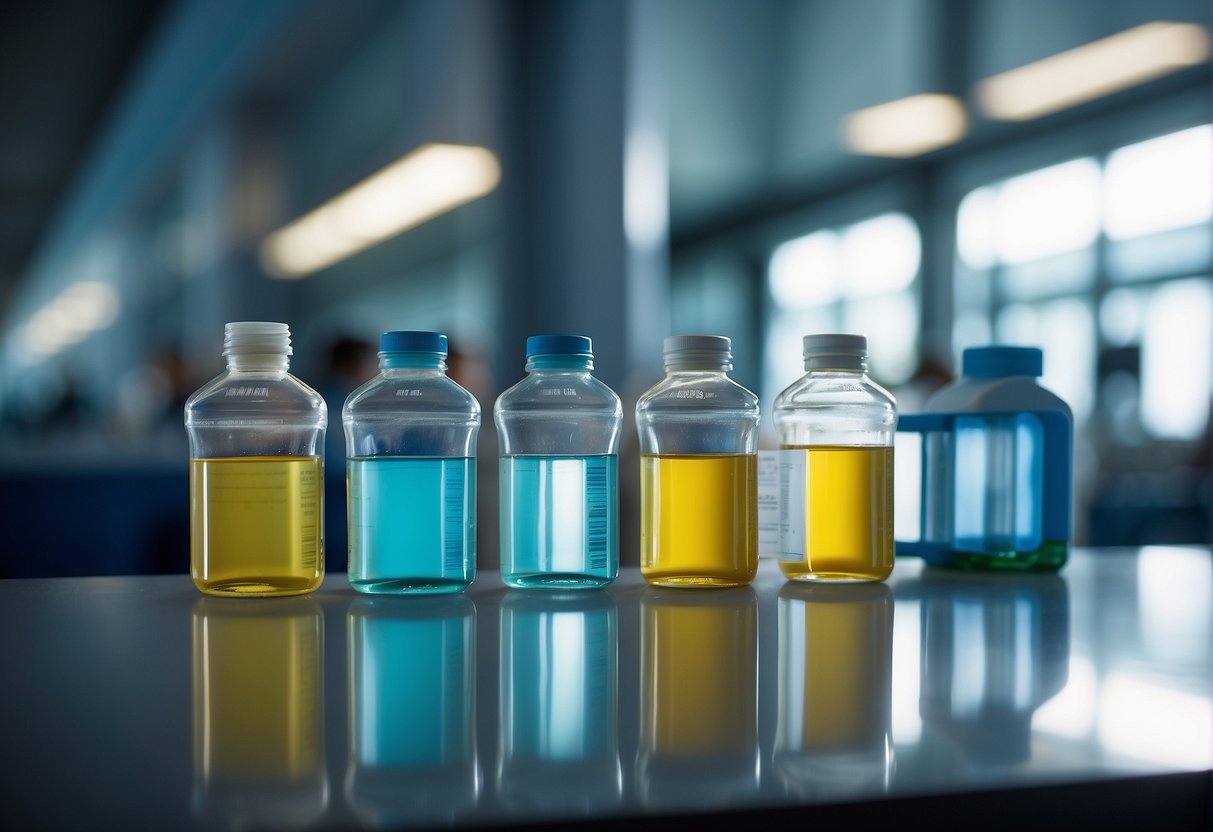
[
  {"x": 906, "y": 127},
  {"x": 75, "y": 313},
  {"x": 1093, "y": 70},
  {"x": 431, "y": 180}
]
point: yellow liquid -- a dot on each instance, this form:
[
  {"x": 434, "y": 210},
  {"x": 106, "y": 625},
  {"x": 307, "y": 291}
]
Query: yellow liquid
[
  {"x": 835, "y": 668},
  {"x": 698, "y": 519},
  {"x": 258, "y": 710},
  {"x": 256, "y": 527},
  {"x": 848, "y": 514},
  {"x": 699, "y": 675}
]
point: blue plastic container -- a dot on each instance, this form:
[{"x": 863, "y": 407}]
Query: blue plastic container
[{"x": 996, "y": 467}]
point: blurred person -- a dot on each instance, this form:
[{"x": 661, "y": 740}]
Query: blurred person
[{"x": 150, "y": 400}]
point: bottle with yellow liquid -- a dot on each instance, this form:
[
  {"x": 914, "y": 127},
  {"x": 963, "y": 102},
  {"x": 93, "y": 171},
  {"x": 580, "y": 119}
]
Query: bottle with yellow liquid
[
  {"x": 256, "y": 471},
  {"x": 698, "y": 469},
  {"x": 836, "y": 430}
]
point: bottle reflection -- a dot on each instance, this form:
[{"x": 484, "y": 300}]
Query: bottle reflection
[
  {"x": 258, "y": 712},
  {"x": 698, "y": 697},
  {"x": 994, "y": 649},
  {"x": 412, "y": 712},
  {"x": 835, "y": 689},
  {"x": 559, "y": 745}
]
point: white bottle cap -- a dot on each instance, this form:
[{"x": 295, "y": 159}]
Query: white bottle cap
[
  {"x": 835, "y": 351},
  {"x": 703, "y": 353},
  {"x": 256, "y": 338}
]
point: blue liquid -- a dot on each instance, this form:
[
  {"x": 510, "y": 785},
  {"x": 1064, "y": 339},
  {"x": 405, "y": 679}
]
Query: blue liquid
[
  {"x": 559, "y": 701},
  {"x": 999, "y": 484},
  {"x": 412, "y": 524},
  {"x": 559, "y": 521},
  {"x": 412, "y": 757},
  {"x": 412, "y": 685}
]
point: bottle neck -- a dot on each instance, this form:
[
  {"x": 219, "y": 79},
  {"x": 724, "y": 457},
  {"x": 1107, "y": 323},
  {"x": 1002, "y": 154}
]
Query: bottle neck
[
  {"x": 412, "y": 361},
  {"x": 559, "y": 363},
  {"x": 698, "y": 369},
  {"x": 684, "y": 372},
  {"x": 855, "y": 364},
  {"x": 710, "y": 365},
  {"x": 258, "y": 363}
]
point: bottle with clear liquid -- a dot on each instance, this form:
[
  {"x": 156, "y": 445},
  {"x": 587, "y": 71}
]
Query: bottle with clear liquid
[
  {"x": 836, "y": 429},
  {"x": 698, "y": 469},
  {"x": 256, "y": 438},
  {"x": 411, "y": 472},
  {"x": 559, "y": 434}
]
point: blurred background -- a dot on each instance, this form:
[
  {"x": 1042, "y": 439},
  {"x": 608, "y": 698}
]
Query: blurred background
[{"x": 935, "y": 174}]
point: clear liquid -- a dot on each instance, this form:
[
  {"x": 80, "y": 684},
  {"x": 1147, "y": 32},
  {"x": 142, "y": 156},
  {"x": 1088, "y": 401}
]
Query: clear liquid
[
  {"x": 412, "y": 524},
  {"x": 847, "y": 513},
  {"x": 559, "y": 521},
  {"x": 699, "y": 519},
  {"x": 256, "y": 527}
]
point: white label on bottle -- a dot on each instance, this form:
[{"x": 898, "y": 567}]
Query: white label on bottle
[
  {"x": 791, "y": 504},
  {"x": 768, "y": 503}
]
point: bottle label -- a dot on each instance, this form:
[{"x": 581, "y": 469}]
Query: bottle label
[
  {"x": 768, "y": 503},
  {"x": 791, "y": 504},
  {"x": 597, "y": 504},
  {"x": 454, "y": 517}
]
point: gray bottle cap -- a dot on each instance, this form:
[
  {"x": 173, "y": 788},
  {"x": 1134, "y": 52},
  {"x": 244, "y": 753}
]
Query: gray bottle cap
[{"x": 709, "y": 353}]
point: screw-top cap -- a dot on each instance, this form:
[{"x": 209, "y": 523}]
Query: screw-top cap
[
  {"x": 577, "y": 345},
  {"x": 1000, "y": 362},
  {"x": 413, "y": 341},
  {"x": 835, "y": 344},
  {"x": 256, "y": 338},
  {"x": 709, "y": 353},
  {"x": 835, "y": 350}
]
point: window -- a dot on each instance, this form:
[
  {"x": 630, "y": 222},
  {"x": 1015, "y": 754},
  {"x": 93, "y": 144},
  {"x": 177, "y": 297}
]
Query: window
[
  {"x": 1101, "y": 255},
  {"x": 857, "y": 278}
]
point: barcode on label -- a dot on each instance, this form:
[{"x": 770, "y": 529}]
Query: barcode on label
[
  {"x": 452, "y": 519},
  {"x": 310, "y": 538},
  {"x": 597, "y": 502}
]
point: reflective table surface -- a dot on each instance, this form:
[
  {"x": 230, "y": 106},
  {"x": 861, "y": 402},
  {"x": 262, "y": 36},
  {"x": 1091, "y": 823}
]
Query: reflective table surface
[{"x": 136, "y": 702}]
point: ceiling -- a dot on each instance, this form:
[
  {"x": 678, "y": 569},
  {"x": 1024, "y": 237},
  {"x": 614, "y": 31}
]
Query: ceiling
[{"x": 63, "y": 63}]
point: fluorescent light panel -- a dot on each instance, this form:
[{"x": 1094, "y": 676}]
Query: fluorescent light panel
[
  {"x": 430, "y": 181},
  {"x": 906, "y": 127},
  {"x": 78, "y": 311},
  {"x": 1093, "y": 70}
]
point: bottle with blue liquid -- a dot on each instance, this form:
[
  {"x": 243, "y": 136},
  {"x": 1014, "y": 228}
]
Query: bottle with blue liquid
[
  {"x": 410, "y": 437},
  {"x": 559, "y": 434},
  {"x": 996, "y": 467}
]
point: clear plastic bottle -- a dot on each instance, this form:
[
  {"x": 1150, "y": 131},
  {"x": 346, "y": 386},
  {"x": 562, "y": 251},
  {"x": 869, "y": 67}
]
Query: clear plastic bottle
[
  {"x": 411, "y": 472},
  {"x": 256, "y": 471},
  {"x": 698, "y": 469},
  {"x": 836, "y": 430},
  {"x": 559, "y": 434}
]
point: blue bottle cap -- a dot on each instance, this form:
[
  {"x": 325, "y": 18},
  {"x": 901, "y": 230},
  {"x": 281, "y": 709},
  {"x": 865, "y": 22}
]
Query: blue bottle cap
[
  {"x": 999, "y": 362},
  {"x": 412, "y": 341},
  {"x": 558, "y": 345}
]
